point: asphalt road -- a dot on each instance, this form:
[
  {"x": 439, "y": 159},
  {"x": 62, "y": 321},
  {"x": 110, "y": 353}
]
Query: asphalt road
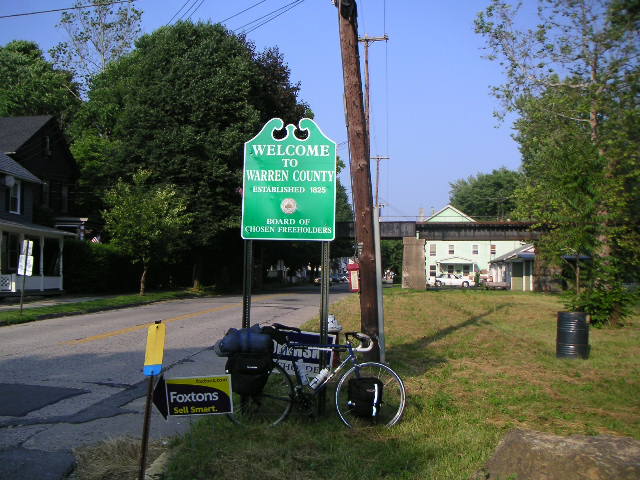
[{"x": 73, "y": 381}]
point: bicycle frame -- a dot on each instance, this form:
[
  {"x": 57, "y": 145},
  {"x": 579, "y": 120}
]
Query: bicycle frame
[{"x": 331, "y": 347}]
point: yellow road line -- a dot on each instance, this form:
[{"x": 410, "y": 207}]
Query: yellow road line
[{"x": 186, "y": 316}]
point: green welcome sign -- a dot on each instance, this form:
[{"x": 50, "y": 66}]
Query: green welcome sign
[{"x": 289, "y": 186}]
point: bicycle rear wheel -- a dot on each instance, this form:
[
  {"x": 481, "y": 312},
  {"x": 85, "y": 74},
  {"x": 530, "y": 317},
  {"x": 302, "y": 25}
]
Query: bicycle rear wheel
[
  {"x": 393, "y": 396},
  {"x": 267, "y": 408}
]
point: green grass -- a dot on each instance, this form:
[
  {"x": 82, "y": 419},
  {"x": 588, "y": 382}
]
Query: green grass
[
  {"x": 475, "y": 363},
  {"x": 10, "y": 317}
]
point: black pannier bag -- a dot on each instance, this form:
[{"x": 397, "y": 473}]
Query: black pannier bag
[
  {"x": 249, "y": 372},
  {"x": 251, "y": 340},
  {"x": 365, "y": 396}
]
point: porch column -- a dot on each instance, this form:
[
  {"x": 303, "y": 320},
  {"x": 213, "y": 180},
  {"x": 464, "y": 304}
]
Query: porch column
[
  {"x": 61, "y": 245},
  {"x": 414, "y": 264},
  {"x": 41, "y": 265}
]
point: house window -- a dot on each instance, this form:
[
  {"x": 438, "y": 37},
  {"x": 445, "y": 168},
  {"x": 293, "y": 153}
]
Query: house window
[
  {"x": 10, "y": 252},
  {"x": 451, "y": 249},
  {"x": 432, "y": 270},
  {"x": 449, "y": 268},
  {"x": 493, "y": 249},
  {"x": 474, "y": 249},
  {"x": 14, "y": 197},
  {"x": 465, "y": 270},
  {"x": 432, "y": 250},
  {"x": 46, "y": 194}
]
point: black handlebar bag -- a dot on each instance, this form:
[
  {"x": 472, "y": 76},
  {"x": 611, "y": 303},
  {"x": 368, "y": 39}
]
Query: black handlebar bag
[
  {"x": 249, "y": 372},
  {"x": 365, "y": 396}
]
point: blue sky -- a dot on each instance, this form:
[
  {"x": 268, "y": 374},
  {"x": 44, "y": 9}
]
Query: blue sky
[{"x": 431, "y": 108}]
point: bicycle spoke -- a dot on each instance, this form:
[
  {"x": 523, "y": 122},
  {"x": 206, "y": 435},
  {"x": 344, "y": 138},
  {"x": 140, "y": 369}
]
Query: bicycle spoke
[{"x": 267, "y": 408}]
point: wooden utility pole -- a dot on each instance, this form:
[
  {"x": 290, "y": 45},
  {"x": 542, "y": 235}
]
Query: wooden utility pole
[
  {"x": 367, "y": 40},
  {"x": 377, "y": 158},
  {"x": 360, "y": 168}
]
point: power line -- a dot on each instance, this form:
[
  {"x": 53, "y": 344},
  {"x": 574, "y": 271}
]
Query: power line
[
  {"x": 63, "y": 9},
  {"x": 194, "y": 8},
  {"x": 268, "y": 14},
  {"x": 179, "y": 10},
  {"x": 242, "y": 11},
  {"x": 274, "y": 17}
]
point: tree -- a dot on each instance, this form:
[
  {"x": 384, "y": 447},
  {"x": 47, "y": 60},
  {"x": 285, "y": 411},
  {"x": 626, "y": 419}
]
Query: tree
[
  {"x": 392, "y": 251},
  {"x": 486, "y": 195},
  {"x": 146, "y": 222},
  {"x": 583, "y": 54},
  {"x": 29, "y": 85},
  {"x": 97, "y": 37},
  {"x": 181, "y": 105}
]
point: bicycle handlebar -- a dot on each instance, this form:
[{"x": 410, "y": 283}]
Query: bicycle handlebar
[{"x": 366, "y": 342}]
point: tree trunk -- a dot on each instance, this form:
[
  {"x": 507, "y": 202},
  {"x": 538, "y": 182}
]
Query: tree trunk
[
  {"x": 198, "y": 266},
  {"x": 143, "y": 278}
]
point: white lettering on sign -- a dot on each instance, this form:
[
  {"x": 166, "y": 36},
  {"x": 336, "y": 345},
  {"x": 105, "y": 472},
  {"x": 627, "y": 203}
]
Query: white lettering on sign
[
  {"x": 283, "y": 175},
  {"x": 268, "y": 175},
  {"x": 299, "y": 150},
  {"x": 193, "y": 397}
]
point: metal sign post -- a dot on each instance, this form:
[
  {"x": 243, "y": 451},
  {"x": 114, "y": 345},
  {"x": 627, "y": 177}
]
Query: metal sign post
[
  {"x": 25, "y": 264},
  {"x": 246, "y": 283},
  {"x": 324, "y": 315}
]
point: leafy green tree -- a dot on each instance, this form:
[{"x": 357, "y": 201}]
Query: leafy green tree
[
  {"x": 580, "y": 64},
  {"x": 146, "y": 222},
  {"x": 392, "y": 251},
  {"x": 29, "y": 85},
  {"x": 181, "y": 105},
  {"x": 97, "y": 37},
  {"x": 486, "y": 195}
]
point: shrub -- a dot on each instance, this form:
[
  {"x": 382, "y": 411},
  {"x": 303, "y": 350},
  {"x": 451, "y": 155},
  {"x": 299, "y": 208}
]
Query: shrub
[{"x": 97, "y": 268}]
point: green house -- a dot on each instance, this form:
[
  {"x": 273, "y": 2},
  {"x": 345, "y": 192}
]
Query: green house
[{"x": 464, "y": 257}]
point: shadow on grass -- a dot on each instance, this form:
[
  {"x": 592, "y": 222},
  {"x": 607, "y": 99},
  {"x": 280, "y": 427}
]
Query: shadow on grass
[
  {"x": 415, "y": 358},
  {"x": 323, "y": 449}
]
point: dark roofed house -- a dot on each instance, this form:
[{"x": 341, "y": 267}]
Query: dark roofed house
[{"x": 37, "y": 176}]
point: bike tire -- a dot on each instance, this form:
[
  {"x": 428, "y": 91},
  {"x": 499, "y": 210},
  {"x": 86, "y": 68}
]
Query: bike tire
[
  {"x": 393, "y": 396},
  {"x": 269, "y": 407}
]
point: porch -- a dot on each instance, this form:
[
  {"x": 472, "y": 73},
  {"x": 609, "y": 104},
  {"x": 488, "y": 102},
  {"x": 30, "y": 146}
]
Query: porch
[
  {"x": 46, "y": 258},
  {"x": 14, "y": 283}
]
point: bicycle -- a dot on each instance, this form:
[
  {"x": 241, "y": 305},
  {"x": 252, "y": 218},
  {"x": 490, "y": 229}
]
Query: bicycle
[{"x": 274, "y": 402}]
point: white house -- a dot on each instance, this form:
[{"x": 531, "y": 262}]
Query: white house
[
  {"x": 464, "y": 257},
  {"x": 515, "y": 268}
]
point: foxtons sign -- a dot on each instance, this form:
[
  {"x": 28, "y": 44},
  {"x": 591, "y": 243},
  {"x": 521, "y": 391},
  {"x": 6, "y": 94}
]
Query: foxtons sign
[{"x": 289, "y": 185}]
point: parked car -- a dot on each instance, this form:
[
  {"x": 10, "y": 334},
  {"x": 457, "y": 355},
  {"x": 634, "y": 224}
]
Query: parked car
[
  {"x": 332, "y": 279},
  {"x": 453, "y": 280}
]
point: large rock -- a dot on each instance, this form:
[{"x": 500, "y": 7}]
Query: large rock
[{"x": 529, "y": 455}]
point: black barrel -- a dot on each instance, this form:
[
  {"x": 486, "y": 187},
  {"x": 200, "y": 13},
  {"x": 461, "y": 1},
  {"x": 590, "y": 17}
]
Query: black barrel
[{"x": 572, "y": 339}]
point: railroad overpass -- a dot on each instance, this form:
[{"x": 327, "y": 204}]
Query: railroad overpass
[{"x": 414, "y": 235}]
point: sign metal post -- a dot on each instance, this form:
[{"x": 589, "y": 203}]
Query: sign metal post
[
  {"x": 25, "y": 264},
  {"x": 324, "y": 317},
  {"x": 246, "y": 283}
]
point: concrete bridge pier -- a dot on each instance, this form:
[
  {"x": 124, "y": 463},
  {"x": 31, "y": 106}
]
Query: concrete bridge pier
[{"x": 413, "y": 263}]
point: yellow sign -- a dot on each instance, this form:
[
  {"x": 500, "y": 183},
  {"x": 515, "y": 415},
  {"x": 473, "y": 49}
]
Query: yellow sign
[
  {"x": 199, "y": 395},
  {"x": 155, "y": 349}
]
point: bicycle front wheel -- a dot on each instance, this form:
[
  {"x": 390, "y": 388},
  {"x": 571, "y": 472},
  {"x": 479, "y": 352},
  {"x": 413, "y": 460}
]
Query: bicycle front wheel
[
  {"x": 393, "y": 396},
  {"x": 267, "y": 408}
]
